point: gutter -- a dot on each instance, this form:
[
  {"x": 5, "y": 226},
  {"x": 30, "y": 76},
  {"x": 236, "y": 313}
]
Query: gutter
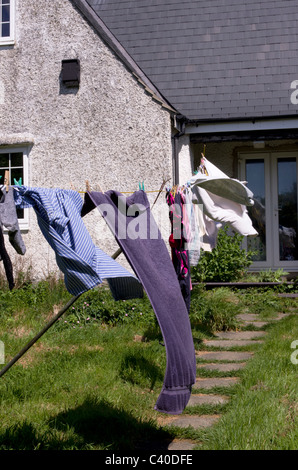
[{"x": 242, "y": 125}]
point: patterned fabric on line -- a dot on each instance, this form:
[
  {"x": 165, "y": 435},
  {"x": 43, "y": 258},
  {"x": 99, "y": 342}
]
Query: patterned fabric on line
[
  {"x": 180, "y": 234},
  {"x": 84, "y": 265}
]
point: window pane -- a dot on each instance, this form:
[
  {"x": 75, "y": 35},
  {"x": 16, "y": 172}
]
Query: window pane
[
  {"x": 14, "y": 163},
  {"x": 17, "y": 175},
  {"x": 287, "y": 209},
  {"x": 5, "y": 13},
  {"x": 2, "y": 173},
  {"x": 255, "y": 176},
  {"x": 20, "y": 213},
  {"x": 5, "y": 30},
  {"x": 17, "y": 159},
  {"x": 4, "y": 160}
]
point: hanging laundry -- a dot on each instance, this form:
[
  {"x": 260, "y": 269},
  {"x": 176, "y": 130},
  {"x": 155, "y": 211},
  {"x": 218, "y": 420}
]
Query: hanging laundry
[
  {"x": 208, "y": 229},
  {"x": 180, "y": 234},
  {"x": 137, "y": 233},
  {"x": 217, "y": 182},
  {"x": 193, "y": 242},
  {"x": 9, "y": 220},
  {"x": 224, "y": 201},
  {"x": 6, "y": 262},
  {"x": 84, "y": 265}
]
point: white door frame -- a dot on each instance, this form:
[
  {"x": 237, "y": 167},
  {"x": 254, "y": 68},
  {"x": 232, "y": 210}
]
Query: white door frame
[
  {"x": 271, "y": 198},
  {"x": 274, "y": 179}
]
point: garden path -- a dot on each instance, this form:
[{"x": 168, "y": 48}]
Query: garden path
[{"x": 218, "y": 357}]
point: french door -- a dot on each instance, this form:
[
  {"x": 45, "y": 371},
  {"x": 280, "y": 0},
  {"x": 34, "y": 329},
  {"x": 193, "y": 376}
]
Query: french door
[{"x": 272, "y": 177}]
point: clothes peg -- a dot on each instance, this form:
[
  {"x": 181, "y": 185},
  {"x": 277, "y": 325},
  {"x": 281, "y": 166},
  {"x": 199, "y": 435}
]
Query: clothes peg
[
  {"x": 98, "y": 188},
  {"x": 141, "y": 186},
  {"x": 18, "y": 183},
  {"x": 88, "y": 188},
  {"x": 6, "y": 179},
  {"x": 164, "y": 182}
]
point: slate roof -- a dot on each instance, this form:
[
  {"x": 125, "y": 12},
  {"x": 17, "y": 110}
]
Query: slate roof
[
  {"x": 114, "y": 44},
  {"x": 215, "y": 59}
]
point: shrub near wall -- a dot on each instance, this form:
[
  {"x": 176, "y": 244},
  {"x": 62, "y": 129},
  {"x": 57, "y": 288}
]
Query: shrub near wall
[{"x": 227, "y": 262}]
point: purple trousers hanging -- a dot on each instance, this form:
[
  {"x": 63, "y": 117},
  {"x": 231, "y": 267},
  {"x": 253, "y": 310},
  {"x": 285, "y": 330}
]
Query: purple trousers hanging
[{"x": 137, "y": 233}]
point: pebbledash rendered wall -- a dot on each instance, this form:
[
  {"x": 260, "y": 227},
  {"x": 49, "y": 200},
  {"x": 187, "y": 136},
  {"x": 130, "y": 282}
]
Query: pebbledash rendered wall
[{"x": 109, "y": 131}]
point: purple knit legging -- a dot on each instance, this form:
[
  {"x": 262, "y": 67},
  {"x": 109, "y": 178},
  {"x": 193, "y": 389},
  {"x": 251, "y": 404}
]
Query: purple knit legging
[{"x": 150, "y": 259}]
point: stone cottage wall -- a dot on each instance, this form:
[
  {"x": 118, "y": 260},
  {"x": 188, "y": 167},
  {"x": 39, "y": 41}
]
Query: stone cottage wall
[{"x": 109, "y": 131}]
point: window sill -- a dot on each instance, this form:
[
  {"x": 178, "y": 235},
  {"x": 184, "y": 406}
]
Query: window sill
[
  {"x": 24, "y": 228},
  {"x": 7, "y": 42}
]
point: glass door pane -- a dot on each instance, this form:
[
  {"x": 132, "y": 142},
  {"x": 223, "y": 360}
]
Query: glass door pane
[
  {"x": 287, "y": 208},
  {"x": 255, "y": 177}
]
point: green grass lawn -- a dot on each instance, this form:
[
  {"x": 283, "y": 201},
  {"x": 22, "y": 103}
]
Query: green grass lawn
[{"x": 91, "y": 382}]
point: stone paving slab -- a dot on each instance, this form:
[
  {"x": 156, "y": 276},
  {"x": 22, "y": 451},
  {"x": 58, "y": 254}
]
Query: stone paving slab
[
  {"x": 222, "y": 367},
  {"x": 183, "y": 444},
  {"x": 207, "y": 399},
  {"x": 165, "y": 444},
  {"x": 252, "y": 317},
  {"x": 184, "y": 421},
  {"x": 281, "y": 316},
  {"x": 248, "y": 317},
  {"x": 240, "y": 335},
  {"x": 291, "y": 296},
  {"x": 224, "y": 355},
  {"x": 230, "y": 343},
  {"x": 212, "y": 382},
  {"x": 257, "y": 324}
]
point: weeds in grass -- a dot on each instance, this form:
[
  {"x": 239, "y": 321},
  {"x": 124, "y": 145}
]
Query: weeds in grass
[{"x": 214, "y": 310}]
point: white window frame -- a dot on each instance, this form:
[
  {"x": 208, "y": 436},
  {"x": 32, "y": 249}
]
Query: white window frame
[
  {"x": 9, "y": 40},
  {"x": 24, "y": 222}
]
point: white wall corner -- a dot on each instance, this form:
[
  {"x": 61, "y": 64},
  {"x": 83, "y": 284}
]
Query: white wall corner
[{"x": 185, "y": 156}]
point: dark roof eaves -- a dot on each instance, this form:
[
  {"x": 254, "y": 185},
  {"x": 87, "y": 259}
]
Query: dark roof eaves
[
  {"x": 198, "y": 121},
  {"x": 121, "y": 52}
]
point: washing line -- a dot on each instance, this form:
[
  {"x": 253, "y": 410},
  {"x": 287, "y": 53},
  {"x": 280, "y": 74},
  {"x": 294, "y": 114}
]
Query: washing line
[{"x": 60, "y": 313}]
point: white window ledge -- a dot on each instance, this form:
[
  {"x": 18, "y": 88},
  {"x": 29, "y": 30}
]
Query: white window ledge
[{"x": 7, "y": 42}]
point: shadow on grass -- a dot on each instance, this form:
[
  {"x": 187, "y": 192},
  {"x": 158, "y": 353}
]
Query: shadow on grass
[
  {"x": 139, "y": 370},
  {"x": 91, "y": 425}
]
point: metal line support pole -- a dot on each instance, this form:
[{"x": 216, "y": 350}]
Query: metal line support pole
[
  {"x": 46, "y": 327},
  {"x": 60, "y": 313},
  {"x": 33, "y": 340}
]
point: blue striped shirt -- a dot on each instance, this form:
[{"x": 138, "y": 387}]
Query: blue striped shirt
[{"x": 84, "y": 265}]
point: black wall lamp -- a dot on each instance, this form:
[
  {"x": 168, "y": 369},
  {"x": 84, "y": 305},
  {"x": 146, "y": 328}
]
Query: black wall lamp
[{"x": 70, "y": 74}]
